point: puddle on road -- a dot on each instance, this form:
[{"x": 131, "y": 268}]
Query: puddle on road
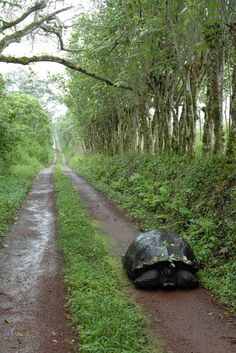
[
  {"x": 22, "y": 263},
  {"x": 32, "y": 233}
]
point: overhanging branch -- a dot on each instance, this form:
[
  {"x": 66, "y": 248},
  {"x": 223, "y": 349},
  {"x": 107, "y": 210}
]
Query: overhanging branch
[
  {"x": 38, "y": 6},
  {"x": 14, "y": 37},
  {"x": 57, "y": 32},
  {"x": 50, "y": 58}
]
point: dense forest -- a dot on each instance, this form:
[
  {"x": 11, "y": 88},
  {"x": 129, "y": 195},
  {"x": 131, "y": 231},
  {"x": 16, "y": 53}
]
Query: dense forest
[
  {"x": 25, "y": 127},
  {"x": 175, "y": 64}
]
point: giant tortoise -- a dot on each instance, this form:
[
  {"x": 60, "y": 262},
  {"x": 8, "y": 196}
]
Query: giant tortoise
[{"x": 161, "y": 258}]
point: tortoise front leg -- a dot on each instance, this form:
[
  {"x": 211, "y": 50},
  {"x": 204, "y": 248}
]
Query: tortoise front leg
[
  {"x": 186, "y": 279},
  {"x": 149, "y": 279}
]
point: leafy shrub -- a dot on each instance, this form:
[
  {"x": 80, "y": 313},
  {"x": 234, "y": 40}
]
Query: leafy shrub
[
  {"x": 25, "y": 139},
  {"x": 24, "y": 124}
]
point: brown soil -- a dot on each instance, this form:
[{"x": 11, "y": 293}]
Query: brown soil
[
  {"x": 187, "y": 321},
  {"x": 33, "y": 316}
]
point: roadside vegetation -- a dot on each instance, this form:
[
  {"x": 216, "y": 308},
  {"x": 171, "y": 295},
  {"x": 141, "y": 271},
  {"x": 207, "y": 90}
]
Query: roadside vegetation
[
  {"x": 196, "y": 198},
  {"x": 105, "y": 319},
  {"x": 25, "y": 146}
]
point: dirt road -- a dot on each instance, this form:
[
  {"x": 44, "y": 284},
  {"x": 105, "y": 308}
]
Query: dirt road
[
  {"x": 188, "y": 321},
  {"x": 32, "y": 294}
]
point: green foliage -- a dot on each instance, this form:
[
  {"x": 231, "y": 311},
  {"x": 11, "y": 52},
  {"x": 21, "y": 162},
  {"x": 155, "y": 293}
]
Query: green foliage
[
  {"x": 9, "y": 137},
  {"x": 25, "y": 139},
  {"x": 25, "y": 80},
  {"x": 15, "y": 181},
  {"x": 2, "y": 85},
  {"x": 105, "y": 319},
  {"x": 195, "y": 198},
  {"x": 166, "y": 51},
  {"x": 68, "y": 130},
  {"x": 26, "y": 110},
  {"x": 10, "y": 3},
  {"x": 24, "y": 125}
]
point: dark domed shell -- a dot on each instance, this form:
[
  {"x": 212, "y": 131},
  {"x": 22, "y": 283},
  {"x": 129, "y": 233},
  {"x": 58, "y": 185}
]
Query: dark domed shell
[{"x": 158, "y": 246}]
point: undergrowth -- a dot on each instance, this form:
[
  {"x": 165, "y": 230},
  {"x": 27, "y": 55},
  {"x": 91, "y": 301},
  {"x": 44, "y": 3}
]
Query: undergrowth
[
  {"x": 195, "y": 198},
  {"x": 102, "y": 315},
  {"x": 16, "y": 177}
]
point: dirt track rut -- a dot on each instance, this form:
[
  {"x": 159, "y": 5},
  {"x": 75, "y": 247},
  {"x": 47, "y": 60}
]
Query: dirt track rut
[
  {"x": 32, "y": 294},
  {"x": 187, "y": 321}
]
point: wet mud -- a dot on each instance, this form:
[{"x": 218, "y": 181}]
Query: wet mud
[
  {"x": 33, "y": 317},
  {"x": 184, "y": 321}
]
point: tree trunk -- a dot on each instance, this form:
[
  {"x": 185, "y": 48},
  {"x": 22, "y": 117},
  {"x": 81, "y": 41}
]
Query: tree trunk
[
  {"x": 231, "y": 143},
  {"x": 175, "y": 132},
  {"x": 207, "y": 133},
  {"x": 190, "y": 118},
  {"x": 215, "y": 85}
]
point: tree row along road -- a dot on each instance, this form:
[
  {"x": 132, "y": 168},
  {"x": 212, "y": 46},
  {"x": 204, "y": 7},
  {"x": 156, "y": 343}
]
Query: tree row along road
[{"x": 32, "y": 312}]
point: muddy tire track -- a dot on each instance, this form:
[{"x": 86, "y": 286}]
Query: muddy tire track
[
  {"x": 32, "y": 293},
  {"x": 187, "y": 321}
]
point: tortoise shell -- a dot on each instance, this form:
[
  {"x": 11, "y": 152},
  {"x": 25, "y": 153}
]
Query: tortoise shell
[{"x": 158, "y": 248}]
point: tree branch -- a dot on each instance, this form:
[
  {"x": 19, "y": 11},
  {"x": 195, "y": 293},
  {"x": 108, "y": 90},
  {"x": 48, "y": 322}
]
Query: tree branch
[
  {"x": 38, "y": 6},
  {"x": 50, "y": 58},
  {"x": 57, "y": 31},
  {"x": 16, "y": 36}
]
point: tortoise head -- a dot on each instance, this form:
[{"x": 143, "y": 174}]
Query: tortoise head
[{"x": 168, "y": 276}]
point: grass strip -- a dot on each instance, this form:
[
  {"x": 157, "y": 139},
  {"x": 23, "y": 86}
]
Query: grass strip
[
  {"x": 14, "y": 185},
  {"x": 106, "y": 320}
]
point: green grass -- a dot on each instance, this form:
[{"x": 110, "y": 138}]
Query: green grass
[
  {"x": 15, "y": 181},
  {"x": 105, "y": 319},
  {"x": 196, "y": 198}
]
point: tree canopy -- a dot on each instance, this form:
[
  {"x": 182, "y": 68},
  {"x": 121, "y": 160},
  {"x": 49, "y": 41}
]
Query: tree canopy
[
  {"x": 26, "y": 80},
  {"x": 178, "y": 57},
  {"x": 23, "y": 122},
  {"x": 20, "y": 20}
]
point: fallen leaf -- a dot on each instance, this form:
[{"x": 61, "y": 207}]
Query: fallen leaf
[
  {"x": 210, "y": 313},
  {"x": 21, "y": 334},
  {"x": 7, "y": 321},
  {"x": 55, "y": 341},
  {"x": 68, "y": 316}
]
